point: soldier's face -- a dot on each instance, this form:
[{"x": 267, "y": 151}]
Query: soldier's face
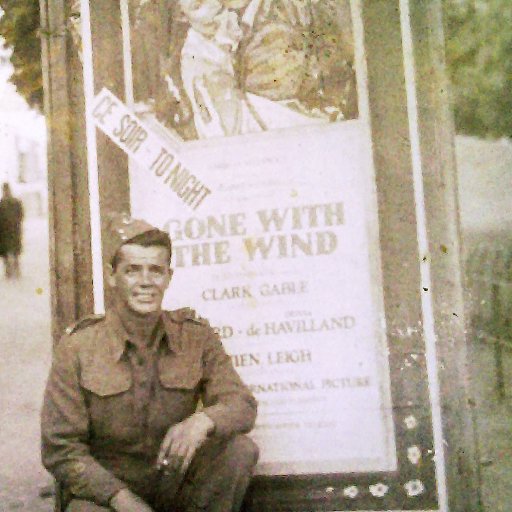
[{"x": 140, "y": 278}]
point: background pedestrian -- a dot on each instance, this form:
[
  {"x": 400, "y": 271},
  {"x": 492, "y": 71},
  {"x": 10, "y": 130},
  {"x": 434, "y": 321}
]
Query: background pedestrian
[{"x": 11, "y": 220}]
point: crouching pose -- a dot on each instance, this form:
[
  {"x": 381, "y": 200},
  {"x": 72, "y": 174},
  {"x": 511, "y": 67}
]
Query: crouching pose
[{"x": 121, "y": 427}]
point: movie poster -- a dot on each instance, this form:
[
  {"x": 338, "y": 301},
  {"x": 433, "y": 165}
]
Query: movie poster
[{"x": 250, "y": 145}]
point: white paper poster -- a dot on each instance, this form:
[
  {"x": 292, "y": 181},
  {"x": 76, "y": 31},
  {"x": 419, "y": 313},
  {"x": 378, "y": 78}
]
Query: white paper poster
[{"x": 282, "y": 257}]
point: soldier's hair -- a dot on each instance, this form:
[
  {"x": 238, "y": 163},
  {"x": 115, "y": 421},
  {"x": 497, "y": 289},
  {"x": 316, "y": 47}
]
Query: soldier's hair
[{"x": 155, "y": 238}]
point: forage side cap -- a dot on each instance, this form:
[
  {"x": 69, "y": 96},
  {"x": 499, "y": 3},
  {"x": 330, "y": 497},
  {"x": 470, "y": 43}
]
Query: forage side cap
[{"x": 121, "y": 228}]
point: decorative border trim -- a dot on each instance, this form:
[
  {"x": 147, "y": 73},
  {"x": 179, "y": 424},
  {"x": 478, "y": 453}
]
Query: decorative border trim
[{"x": 411, "y": 487}]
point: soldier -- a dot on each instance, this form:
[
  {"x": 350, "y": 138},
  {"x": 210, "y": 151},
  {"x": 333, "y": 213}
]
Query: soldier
[{"x": 121, "y": 427}]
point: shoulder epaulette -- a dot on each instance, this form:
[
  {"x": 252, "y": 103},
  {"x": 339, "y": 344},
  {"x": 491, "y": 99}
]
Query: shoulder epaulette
[
  {"x": 188, "y": 315},
  {"x": 200, "y": 321},
  {"x": 84, "y": 322}
]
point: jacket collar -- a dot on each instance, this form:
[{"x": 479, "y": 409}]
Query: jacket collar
[{"x": 119, "y": 337}]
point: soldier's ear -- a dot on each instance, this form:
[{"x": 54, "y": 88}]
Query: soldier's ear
[
  {"x": 169, "y": 279},
  {"x": 111, "y": 279}
]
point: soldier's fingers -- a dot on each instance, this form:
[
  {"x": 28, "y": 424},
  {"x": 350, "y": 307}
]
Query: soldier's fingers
[
  {"x": 165, "y": 448},
  {"x": 178, "y": 448},
  {"x": 176, "y": 453},
  {"x": 162, "y": 454},
  {"x": 187, "y": 460},
  {"x": 175, "y": 462}
]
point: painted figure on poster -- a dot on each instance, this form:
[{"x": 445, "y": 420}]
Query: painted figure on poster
[{"x": 210, "y": 68}]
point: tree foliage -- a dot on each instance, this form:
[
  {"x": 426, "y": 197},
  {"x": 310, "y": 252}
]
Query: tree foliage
[
  {"x": 19, "y": 26},
  {"x": 479, "y": 57}
]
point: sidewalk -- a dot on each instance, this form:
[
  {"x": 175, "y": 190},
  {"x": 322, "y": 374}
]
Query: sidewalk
[{"x": 25, "y": 355}]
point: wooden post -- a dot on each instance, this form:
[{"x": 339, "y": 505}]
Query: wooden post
[
  {"x": 436, "y": 136},
  {"x": 393, "y": 154},
  {"x": 68, "y": 215}
]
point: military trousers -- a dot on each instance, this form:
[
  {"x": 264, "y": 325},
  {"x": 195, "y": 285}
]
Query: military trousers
[{"x": 216, "y": 481}]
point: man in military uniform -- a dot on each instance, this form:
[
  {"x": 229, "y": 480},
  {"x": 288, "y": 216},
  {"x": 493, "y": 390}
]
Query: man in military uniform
[{"x": 121, "y": 427}]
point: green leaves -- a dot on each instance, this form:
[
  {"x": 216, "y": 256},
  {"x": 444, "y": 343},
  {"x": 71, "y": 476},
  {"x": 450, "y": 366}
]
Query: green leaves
[
  {"x": 19, "y": 26},
  {"x": 479, "y": 58}
]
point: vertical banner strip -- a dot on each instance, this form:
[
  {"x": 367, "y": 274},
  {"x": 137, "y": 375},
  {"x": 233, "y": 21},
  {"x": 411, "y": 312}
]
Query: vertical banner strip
[
  {"x": 371, "y": 192},
  {"x": 426, "y": 298},
  {"x": 364, "y": 113},
  {"x": 92, "y": 159},
  {"x": 127, "y": 53}
]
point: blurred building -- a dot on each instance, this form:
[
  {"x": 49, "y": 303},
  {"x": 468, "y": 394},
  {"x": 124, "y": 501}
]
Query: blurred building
[
  {"x": 484, "y": 170},
  {"x": 22, "y": 143}
]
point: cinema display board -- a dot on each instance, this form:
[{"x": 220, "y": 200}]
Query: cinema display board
[{"x": 247, "y": 128}]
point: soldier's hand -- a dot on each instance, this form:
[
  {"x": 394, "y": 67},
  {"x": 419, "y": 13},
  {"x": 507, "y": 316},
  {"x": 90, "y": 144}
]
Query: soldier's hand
[
  {"x": 126, "y": 501},
  {"x": 182, "y": 441}
]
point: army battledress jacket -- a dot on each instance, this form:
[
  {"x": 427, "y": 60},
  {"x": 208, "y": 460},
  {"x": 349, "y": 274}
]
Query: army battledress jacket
[{"x": 103, "y": 419}]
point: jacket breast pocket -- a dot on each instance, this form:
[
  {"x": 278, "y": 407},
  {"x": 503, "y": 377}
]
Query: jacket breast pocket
[
  {"x": 110, "y": 403},
  {"x": 180, "y": 371},
  {"x": 180, "y": 378},
  {"x": 106, "y": 382}
]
